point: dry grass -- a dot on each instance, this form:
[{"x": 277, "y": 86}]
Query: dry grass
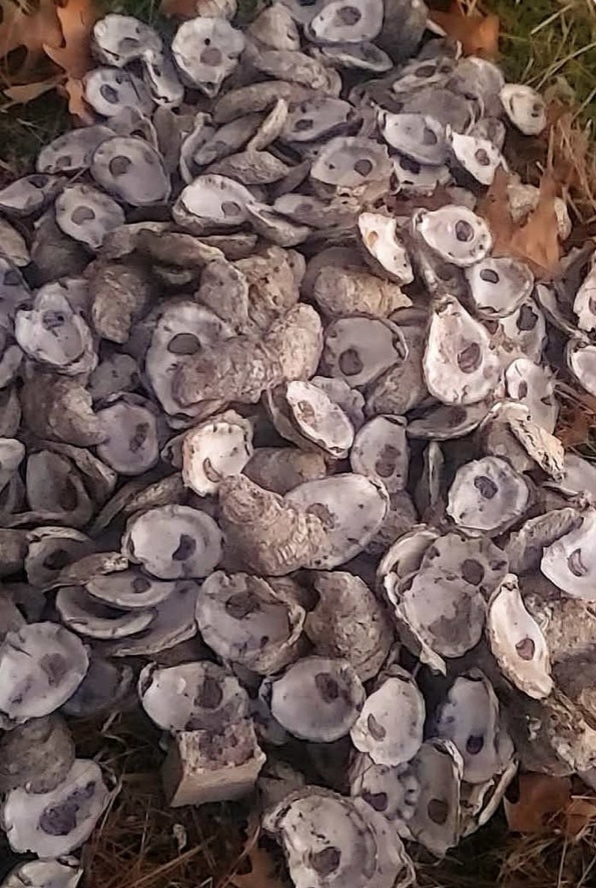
[{"x": 140, "y": 842}]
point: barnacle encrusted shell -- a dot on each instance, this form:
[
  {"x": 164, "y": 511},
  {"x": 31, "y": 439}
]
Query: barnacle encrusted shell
[{"x": 272, "y": 536}]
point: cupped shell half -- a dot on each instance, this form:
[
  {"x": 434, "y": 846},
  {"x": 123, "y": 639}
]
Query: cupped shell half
[
  {"x": 41, "y": 666},
  {"x": 173, "y": 542},
  {"x": 244, "y": 621},
  {"x": 517, "y": 641},
  {"x": 317, "y": 699},
  {"x": 461, "y": 367},
  {"x": 570, "y": 561},
  {"x": 381, "y": 451},
  {"x": 470, "y": 718},
  {"x": 390, "y": 725},
  {"x": 213, "y": 449},
  {"x": 488, "y": 495},
  {"x": 53, "y": 824},
  {"x": 352, "y": 509},
  {"x": 64, "y": 873},
  {"x": 192, "y": 696}
]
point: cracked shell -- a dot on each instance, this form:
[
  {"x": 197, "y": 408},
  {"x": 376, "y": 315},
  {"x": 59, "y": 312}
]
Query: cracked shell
[
  {"x": 30, "y": 194},
  {"x": 348, "y": 622},
  {"x": 455, "y": 233},
  {"x": 390, "y": 725},
  {"x": 192, "y": 696},
  {"x": 64, "y": 873},
  {"x": 381, "y": 451},
  {"x": 41, "y": 666},
  {"x": 173, "y": 542},
  {"x": 317, "y": 699},
  {"x": 569, "y": 561},
  {"x": 131, "y": 170},
  {"x": 460, "y": 365},
  {"x": 360, "y": 349},
  {"x": 55, "y": 823},
  {"x": 206, "y": 51},
  {"x": 351, "y": 508},
  {"x": 393, "y": 792},
  {"x": 383, "y": 247},
  {"x": 517, "y": 641},
  {"x": 498, "y": 286},
  {"x": 220, "y": 447},
  {"x": 488, "y": 495},
  {"x": 87, "y": 215},
  {"x": 524, "y": 107},
  {"x": 244, "y": 621},
  {"x": 470, "y": 718},
  {"x": 331, "y": 841}
]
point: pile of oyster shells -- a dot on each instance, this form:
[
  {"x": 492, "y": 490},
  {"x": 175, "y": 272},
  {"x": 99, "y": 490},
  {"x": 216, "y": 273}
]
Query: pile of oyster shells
[{"x": 278, "y": 463}]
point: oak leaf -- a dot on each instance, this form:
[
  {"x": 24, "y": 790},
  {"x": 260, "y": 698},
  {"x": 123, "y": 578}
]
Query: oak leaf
[
  {"x": 31, "y": 30},
  {"x": 536, "y": 241},
  {"x": 477, "y": 33},
  {"x": 77, "y": 18}
]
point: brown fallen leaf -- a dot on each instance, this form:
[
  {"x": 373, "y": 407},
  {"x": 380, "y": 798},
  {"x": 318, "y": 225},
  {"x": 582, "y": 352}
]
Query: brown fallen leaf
[
  {"x": 477, "y": 33},
  {"x": 77, "y": 106},
  {"x": 179, "y": 8},
  {"x": 31, "y": 30},
  {"x": 536, "y": 241},
  {"x": 580, "y": 815},
  {"x": 27, "y": 92},
  {"x": 77, "y": 18},
  {"x": 540, "y": 798},
  {"x": 262, "y": 872}
]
